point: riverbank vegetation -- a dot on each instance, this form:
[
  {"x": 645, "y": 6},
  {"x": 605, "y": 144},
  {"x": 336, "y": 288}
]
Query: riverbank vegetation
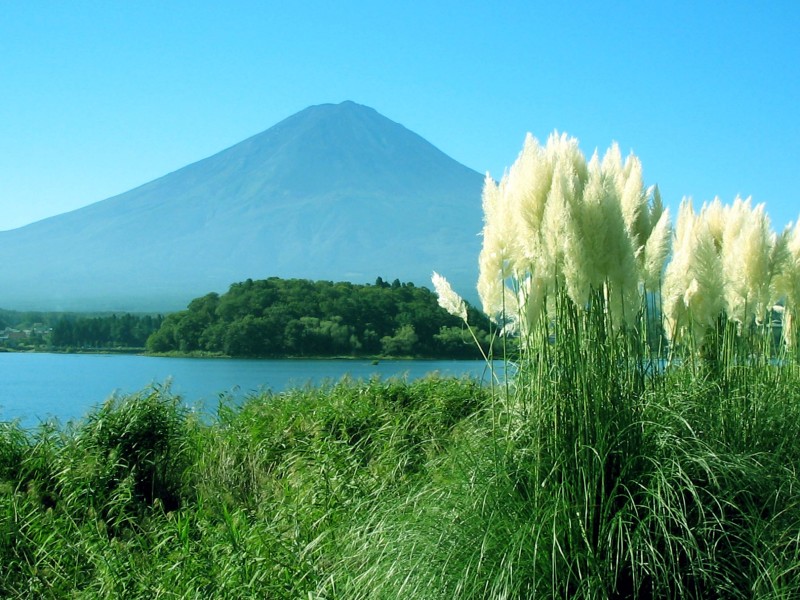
[
  {"x": 76, "y": 332},
  {"x": 144, "y": 499},
  {"x": 268, "y": 318},
  {"x": 434, "y": 489},
  {"x": 605, "y": 462}
]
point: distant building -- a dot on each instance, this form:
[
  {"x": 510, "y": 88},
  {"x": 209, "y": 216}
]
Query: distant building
[{"x": 10, "y": 334}]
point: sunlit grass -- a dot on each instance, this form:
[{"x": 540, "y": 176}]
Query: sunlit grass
[
  {"x": 144, "y": 500},
  {"x": 641, "y": 441}
]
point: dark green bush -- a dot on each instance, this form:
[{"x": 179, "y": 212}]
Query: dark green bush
[{"x": 130, "y": 453}]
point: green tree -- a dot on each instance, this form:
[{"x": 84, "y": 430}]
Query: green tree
[{"x": 402, "y": 343}]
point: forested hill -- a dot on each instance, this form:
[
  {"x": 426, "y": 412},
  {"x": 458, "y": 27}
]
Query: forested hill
[{"x": 298, "y": 317}]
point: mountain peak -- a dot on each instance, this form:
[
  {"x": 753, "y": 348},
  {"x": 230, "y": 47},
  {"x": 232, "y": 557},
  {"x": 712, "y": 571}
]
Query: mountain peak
[{"x": 336, "y": 191}]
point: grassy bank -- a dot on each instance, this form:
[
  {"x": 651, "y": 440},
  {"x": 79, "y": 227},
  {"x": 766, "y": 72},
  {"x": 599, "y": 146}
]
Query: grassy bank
[
  {"x": 143, "y": 500},
  {"x": 431, "y": 489}
]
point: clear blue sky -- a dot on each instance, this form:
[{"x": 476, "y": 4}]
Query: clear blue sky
[{"x": 99, "y": 97}]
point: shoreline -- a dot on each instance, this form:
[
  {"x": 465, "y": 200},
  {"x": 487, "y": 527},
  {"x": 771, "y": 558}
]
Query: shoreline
[{"x": 211, "y": 355}]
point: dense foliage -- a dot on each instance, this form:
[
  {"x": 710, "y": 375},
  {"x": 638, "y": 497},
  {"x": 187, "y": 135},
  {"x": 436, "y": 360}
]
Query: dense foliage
[
  {"x": 15, "y": 318},
  {"x": 296, "y": 317},
  {"x": 77, "y": 331},
  {"x": 113, "y": 331}
]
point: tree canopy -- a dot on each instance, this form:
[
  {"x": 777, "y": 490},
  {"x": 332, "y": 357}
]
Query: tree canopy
[
  {"x": 298, "y": 317},
  {"x": 77, "y": 331}
]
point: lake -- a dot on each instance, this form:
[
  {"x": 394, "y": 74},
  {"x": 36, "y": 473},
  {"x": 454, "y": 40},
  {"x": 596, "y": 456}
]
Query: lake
[{"x": 36, "y": 387}]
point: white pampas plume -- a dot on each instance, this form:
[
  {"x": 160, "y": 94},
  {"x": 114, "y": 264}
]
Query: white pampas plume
[
  {"x": 656, "y": 251},
  {"x": 677, "y": 277},
  {"x": 716, "y": 216},
  {"x": 747, "y": 249},
  {"x": 448, "y": 299},
  {"x": 633, "y": 200},
  {"x": 499, "y": 246},
  {"x": 760, "y": 243},
  {"x": 525, "y": 188},
  {"x": 656, "y": 206},
  {"x": 490, "y": 284},
  {"x": 498, "y": 234},
  {"x": 565, "y": 151},
  {"x": 693, "y": 282},
  {"x": 786, "y": 283},
  {"x": 556, "y": 216},
  {"x": 706, "y": 302},
  {"x": 595, "y": 225},
  {"x": 612, "y": 167},
  {"x": 619, "y": 267},
  {"x": 736, "y": 223}
]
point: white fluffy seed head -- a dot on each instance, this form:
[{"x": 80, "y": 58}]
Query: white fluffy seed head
[
  {"x": 558, "y": 222},
  {"x": 716, "y": 216},
  {"x": 759, "y": 247},
  {"x": 707, "y": 303},
  {"x": 656, "y": 251},
  {"x": 490, "y": 281},
  {"x": 747, "y": 251},
  {"x": 633, "y": 199},
  {"x": 676, "y": 275},
  {"x": 786, "y": 283},
  {"x": 786, "y": 280},
  {"x": 556, "y": 217},
  {"x": 526, "y": 187},
  {"x": 656, "y": 206},
  {"x": 595, "y": 224},
  {"x": 693, "y": 283},
  {"x": 448, "y": 298}
]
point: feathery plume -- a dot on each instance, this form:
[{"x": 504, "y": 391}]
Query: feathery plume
[
  {"x": 677, "y": 278},
  {"x": 449, "y": 299},
  {"x": 786, "y": 283},
  {"x": 595, "y": 225},
  {"x": 656, "y": 251},
  {"x": 705, "y": 301},
  {"x": 556, "y": 223},
  {"x": 747, "y": 248},
  {"x": 656, "y": 206},
  {"x": 498, "y": 246},
  {"x": 633, "y": 200},
  {"x": 525, "y": 189}
]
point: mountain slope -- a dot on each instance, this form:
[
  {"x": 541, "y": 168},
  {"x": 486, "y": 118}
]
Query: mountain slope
[{"x": 333, "y": 192}]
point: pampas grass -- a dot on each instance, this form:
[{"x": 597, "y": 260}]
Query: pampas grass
[{"x": 618, "y": 477}]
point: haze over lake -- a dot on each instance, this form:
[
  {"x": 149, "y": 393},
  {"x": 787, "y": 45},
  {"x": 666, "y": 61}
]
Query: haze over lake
[{"x": 36, "y": 387}]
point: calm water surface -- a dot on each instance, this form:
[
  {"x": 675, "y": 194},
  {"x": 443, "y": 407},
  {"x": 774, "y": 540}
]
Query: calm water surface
[{"x": 36, "y": 387}]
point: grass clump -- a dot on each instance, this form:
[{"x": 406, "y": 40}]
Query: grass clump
[
  {"x": 644, "y": 442},
  {"x": 143, "y": 499}
]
